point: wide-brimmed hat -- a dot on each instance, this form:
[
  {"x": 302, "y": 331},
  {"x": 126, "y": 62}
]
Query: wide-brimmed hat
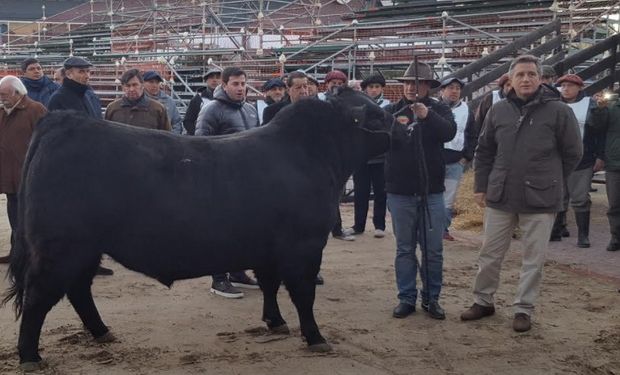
[
  {"x": 572, "y": 78},
  {"x": 421, "y": 72}
]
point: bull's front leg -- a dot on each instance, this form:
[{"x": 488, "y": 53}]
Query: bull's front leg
[
  {"x": 302, "y": 287},
  {"x": 269, "y": 284}
]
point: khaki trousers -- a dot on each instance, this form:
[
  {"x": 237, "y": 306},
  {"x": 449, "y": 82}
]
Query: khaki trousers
[{"x": 498, "y": 229}]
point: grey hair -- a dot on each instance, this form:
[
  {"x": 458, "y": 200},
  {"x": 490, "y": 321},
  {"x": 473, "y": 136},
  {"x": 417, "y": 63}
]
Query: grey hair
[
  {"x": 525, "y": 59},
  {"x": 16, "y": 83}
]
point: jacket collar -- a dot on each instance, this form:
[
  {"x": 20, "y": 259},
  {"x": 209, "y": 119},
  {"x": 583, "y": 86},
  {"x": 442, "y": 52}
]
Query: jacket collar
[
  {"x": 142, "y": 102},
  {"x": 74, "y": 86}
]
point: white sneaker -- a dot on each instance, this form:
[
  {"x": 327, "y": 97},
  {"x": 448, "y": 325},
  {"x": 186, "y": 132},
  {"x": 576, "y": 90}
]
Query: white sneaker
[
  {"x": 345, "y": 237},
  {"x": 379, "y": 233},
  {"x": 348, "y": 232}
]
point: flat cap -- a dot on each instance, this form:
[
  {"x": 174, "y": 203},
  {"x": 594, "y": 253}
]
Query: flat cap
[
  {"x": 151, "y": 75},
  {"x": 76, "y": 62},
  {"x": 573, "y": 78},
  {"x": 449, "y": 81},
  {"x": 274, "y": 82},
  {"x": 212, "y": 71}
]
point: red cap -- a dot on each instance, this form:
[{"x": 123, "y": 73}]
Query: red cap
[
  {"x": 335, "y": 74},
  {"x": 502, "y": 80},
  {"x": 573, "y": 78}
]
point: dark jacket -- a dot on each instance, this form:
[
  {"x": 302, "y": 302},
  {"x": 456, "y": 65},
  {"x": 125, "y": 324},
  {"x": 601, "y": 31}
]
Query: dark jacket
[
  {"x": 224, "y": 116},
  {"x": 525, "y": 152},
  {"x": 593, "y": 141},
  {"x": 483, "y": 108},
  {"x": 143, "y": 113},
  {"x": 193, "y": 109},
  {"x": 271, "y": 110},
  {"x": 75, "y": 96},
  {"x": 40, "y": 90},
  {"x": 607, "y": 122},
  {"x": 466, "y": 132},
  {"x": 404, "y": 172},
  {"x": 15, "y": 132}
]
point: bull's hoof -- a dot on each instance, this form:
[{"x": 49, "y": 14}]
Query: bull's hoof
[
  {"x": 320, "y": 348},
  {"x": 33, "y": 366},
  {"x": 280, "y": 330},
  {"x": 105, "y": 338}
]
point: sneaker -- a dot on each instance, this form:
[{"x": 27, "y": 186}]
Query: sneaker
[
  {"x": 350, "y": 232},
  {"x": 379, "y": 233},
  {"x": 345, "y": 237},
  {"x": 242, "y": 280},
  {"x": 225, "y": 289},
  {"x": 319, "y": 279},
  {"x": 522, "y": 322},
  {"x": 448, "y": 237}
]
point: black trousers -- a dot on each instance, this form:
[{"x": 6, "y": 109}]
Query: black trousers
[{"x": 370, "y": 175}]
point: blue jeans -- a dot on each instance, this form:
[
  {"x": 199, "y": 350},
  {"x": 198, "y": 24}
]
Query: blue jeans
[
  {"x": 407, "y": 211},
  {"x": 454, "y": 174}
]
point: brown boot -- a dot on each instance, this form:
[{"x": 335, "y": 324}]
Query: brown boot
[
  {"x": 5, "y": 259},
  {"x": 477, "y": 311},
  {"x": 522, "y": 322}
]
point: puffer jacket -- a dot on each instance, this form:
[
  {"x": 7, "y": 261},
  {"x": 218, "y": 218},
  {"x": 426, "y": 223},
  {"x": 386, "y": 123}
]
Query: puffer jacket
[
  {"x": 40, "y": 90},
  {"x": 607, "y": 122},
  {"x": 525, "y": 152},
  {"x": 224, "y": 116}
]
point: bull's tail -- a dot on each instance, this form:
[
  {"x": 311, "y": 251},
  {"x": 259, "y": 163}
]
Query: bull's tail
[
  {"x": 20, "y": 253},
  {"x": 20, "y": 259}
]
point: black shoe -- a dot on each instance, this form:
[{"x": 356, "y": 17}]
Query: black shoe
[
  {"x": 102, "y": 271},
  {"x": 319, "y": 279},
  {"x": 434, "y": 310},
  {"x": 242, "y": 280},
  {"x": 5, "y": 259},
  {"x": 614, "y": 245},
  {"x": 403, "y": 310}
]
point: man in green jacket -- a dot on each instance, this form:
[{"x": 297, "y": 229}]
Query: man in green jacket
[
  {"x": 529, "y": 145},
  {"x": 607, "y": 118}
]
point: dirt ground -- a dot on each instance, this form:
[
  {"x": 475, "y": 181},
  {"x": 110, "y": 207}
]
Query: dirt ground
[{"x": 187, "y": 330}]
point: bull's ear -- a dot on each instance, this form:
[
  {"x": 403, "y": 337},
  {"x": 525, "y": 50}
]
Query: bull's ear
[{"x": 359, "y": 114}]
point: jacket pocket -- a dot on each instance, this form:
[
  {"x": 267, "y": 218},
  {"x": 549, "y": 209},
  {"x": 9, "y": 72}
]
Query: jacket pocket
[
  {"x": 542, "y": 192},
  {"x": 495, "y": 187}
]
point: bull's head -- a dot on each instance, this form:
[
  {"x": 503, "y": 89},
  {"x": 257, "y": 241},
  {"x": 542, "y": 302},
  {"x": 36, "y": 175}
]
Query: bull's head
[{"x": 366, "y": 117}]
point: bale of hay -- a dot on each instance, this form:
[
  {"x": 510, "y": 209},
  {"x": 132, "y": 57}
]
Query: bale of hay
[{"x": 468, "y": 215}]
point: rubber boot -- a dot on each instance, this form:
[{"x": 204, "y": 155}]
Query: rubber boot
[
  {"x": 556, "y": 232},
  {"x": 583, "y": 228},
  {"x": 564, "y": 230}
]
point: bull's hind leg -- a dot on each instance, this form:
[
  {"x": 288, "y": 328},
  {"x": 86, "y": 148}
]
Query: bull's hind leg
[
  {"x": 269, "y": 284},
  {"x": 42, "y": 292},
  {"x": 81, "y": 298},
  {"x": 301, "y": 286}
]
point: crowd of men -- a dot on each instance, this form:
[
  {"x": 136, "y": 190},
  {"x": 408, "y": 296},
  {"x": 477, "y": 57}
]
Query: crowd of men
[{"x": 534, "y": 150}]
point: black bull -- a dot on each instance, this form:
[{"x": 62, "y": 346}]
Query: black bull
[{"x": 174, "y": 207}]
